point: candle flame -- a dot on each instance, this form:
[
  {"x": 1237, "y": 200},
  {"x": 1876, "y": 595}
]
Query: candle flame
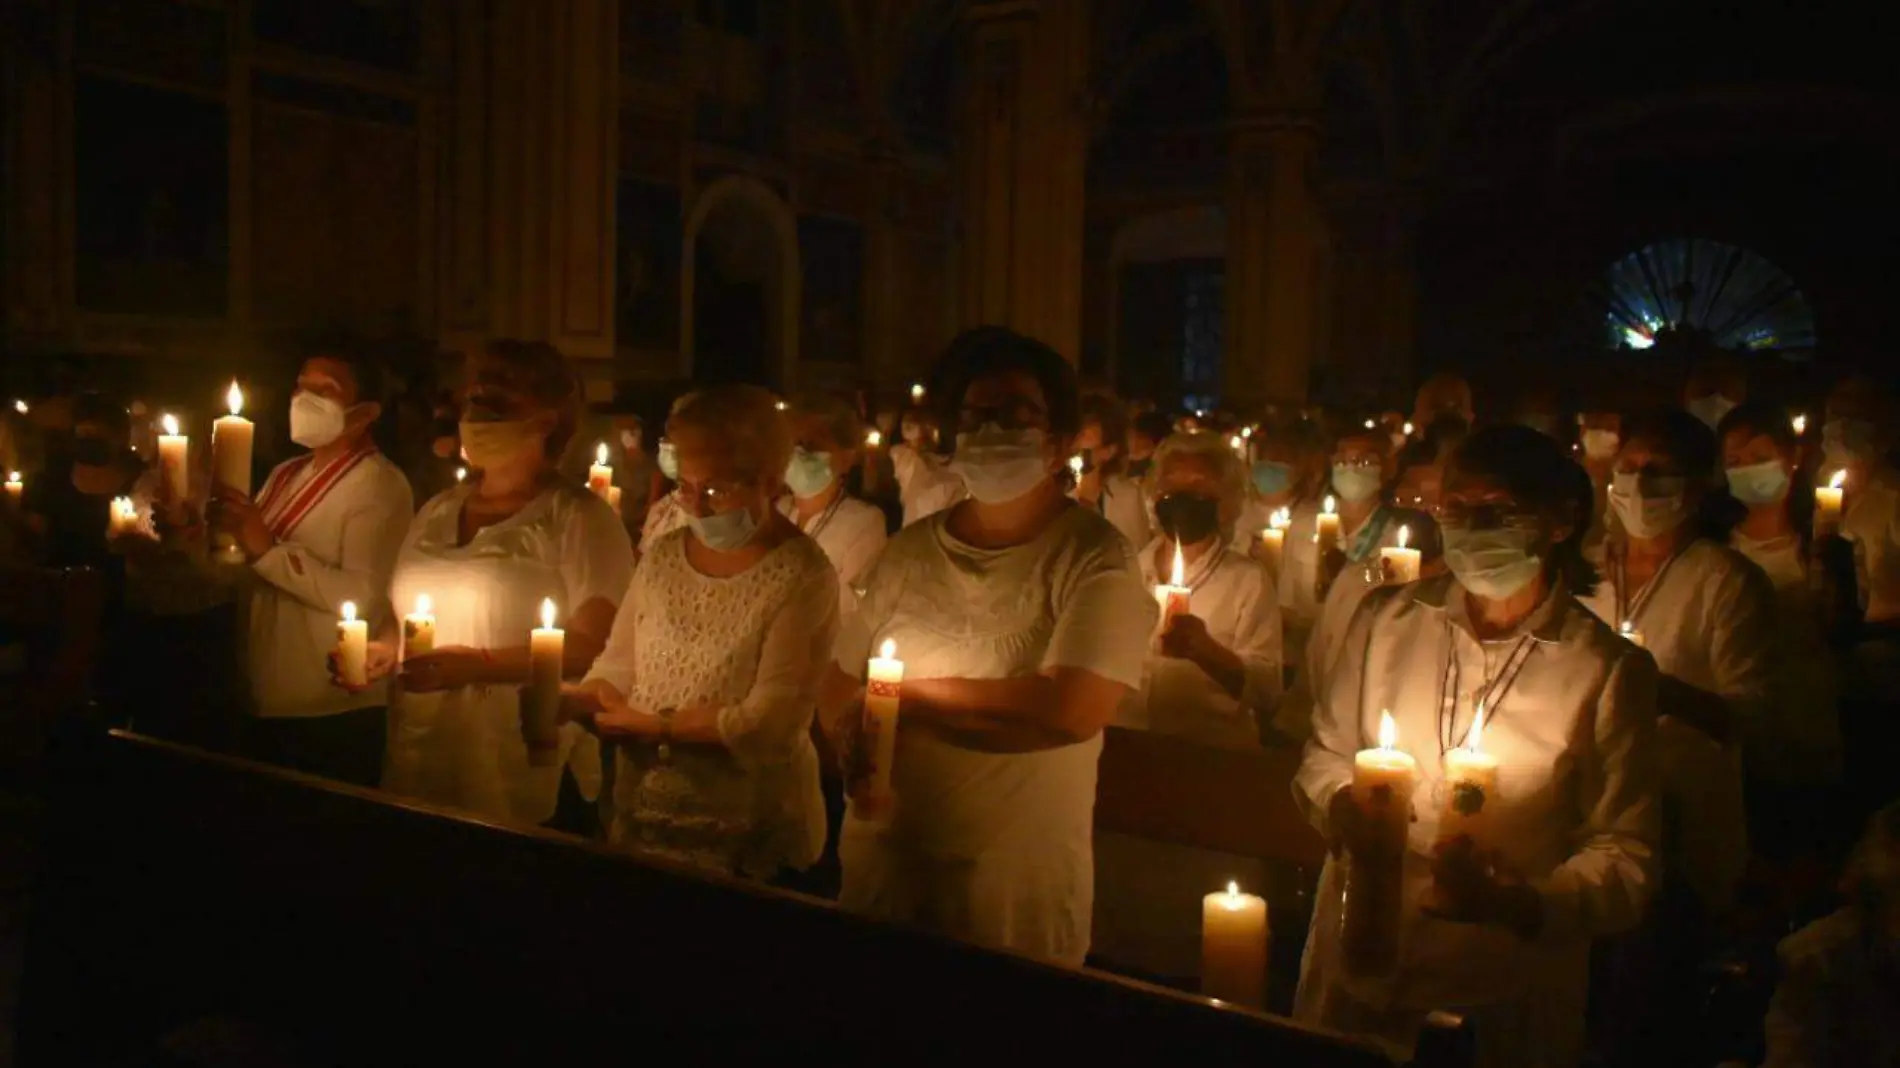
[
  {"x": 917, "y": 391},
  {"x": 1405, "y": 536},
  {"x": 547, "y": 614},
  {"x": 1408, "y": 428},
  {"x": 874, "y": 439},
  {"x": 20, "y": 406},
  {"x": 235, "y": 398},
  {"x": 1246, "y": 432},
  {"x": 1388, "y": 730},
  {"x": 1800, "y": 424},
  {"x": 170, "y": 423},
  {"x": 1371, "y": 423},
  {"x": 1474, "y": 740},
  {"x": 1330, "y": 506},
  {"x": 1178, "y": 576},
  {"x": 1281, "y": 519},
  {"x": 1076, "y": 465},
  {"x": 424, "y": 605},
  {"x": 1628, "y": 627},
  {"x": 349, "y": 611},
  {"x": 887, "y": 651},
  {"x": 13, "y": 476},
  {"x": 1235, "y": 442},
  {"x": 461, "y": 473},
  {"x": 1233, "y": 888},
  {"x": 1839, "y": 479},
  {"x": 600, "y": 454}
]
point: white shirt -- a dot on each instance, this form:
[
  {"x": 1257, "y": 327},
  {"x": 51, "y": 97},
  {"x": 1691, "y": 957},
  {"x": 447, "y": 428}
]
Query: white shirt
[
  {"x": 756, "y": 645},
  {"x": 343, "y": 550},
  {"x": 1576, "y": 813},
  {"x": 663, "y": 518},
  {"x": 1708, "y": 620},
  {"x": 1802, "y": 741},
  {"x": 1123, "y": 505},
  {"x": 464, "y": 747},
  {"x": 990, "y": 847},
  {"x": 925, "y": 486},
  {"x": 1236, "y": 598},
  {"x": 851, "y": 532},
  {"x": 1872, "y": 523}
]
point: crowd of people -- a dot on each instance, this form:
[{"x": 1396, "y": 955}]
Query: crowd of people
[{"x": 1685, "y": 674}]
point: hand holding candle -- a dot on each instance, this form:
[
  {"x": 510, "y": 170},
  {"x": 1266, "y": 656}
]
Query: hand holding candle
[
  {"x": 541, "y": 701},
  {"x": 1380, "y": 802},
  {"x": 883, "y": 687},
  {"x": 1400, "y": 564},
  {"x": 418, "y": 629},
  {"x": 1234, "y": 937},
  {"x": 600, "y": 477},
  {"x": 352, "y": 648}
]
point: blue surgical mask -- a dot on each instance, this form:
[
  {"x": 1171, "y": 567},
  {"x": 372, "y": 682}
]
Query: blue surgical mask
[
  {"x": 1356, "y": 484},
  {"x": 1759, "y": 483},
  {"x": 724, "y": 532},
  {"x": 809, "y": 473},
  {"x": 1494, "y": 563},
  {"x": 1271, "y": 477},
  {"x": 669, "y": 461}
]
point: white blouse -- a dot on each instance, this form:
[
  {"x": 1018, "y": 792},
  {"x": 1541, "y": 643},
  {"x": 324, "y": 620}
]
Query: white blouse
[
  {"x": 1576, "y": 813},
  {"x": 851, "y": 532},
  {"x": 755, "y": 645},
  {"x": 1236, "y": 598},
  {"x": 925, "y": 485},
  {"x": 663, "y": 518},
  {"x": 464, "y": 747}
]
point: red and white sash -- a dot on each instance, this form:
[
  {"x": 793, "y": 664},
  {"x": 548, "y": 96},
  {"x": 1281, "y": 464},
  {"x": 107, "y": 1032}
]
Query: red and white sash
[{"x": 283, "y": 510}]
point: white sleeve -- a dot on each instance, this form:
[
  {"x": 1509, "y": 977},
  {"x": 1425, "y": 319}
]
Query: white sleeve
[
  {"x": 1326, "y": 766},
  {"x": 618, "y": 661},
  {"x": 1104, "y": 618},
  {"x": 596, "y": 556},
  {"x": 764, "y": 728},
  {"x": 373, "y": 532},
  {"x": 1743, "y": 650},
  {"x": 1257, "y": 644}
]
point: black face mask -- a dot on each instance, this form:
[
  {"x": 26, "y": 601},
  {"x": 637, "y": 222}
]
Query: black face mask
[
  {"x": 1188, "y": 518},
  {"x": 93, "y": 452}
]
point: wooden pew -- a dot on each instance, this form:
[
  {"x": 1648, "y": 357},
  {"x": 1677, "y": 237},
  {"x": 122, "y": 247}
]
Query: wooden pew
[
  {"x": 181, "y": 885},
  {"x": 1172, "y": 789}
]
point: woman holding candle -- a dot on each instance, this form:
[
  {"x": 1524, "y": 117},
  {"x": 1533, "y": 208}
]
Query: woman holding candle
[
  {"x": 1499, "y": 928},
  {"x": 712, "y": 672},
  {"x": 487, "y": 554},
  {"x": 1023, "y": 624}
]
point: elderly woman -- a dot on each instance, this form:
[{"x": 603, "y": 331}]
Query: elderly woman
[
  {"x": 824, "y": 449},
  {"x": 486, "y": 554},
  {"x": 712, "y": 672},
  {"x": 1023, "y": 624},
  {"x": 1499, "y": 928}
]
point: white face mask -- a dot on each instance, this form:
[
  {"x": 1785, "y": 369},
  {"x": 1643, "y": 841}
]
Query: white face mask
[
  {"x": 315, "y": 421},
  {"x": 1599, "y": 444},
  {"x": 724, "y": 532},
  {"x": 1648, "y": 507},
  {"x": 1000, "y": 465}
]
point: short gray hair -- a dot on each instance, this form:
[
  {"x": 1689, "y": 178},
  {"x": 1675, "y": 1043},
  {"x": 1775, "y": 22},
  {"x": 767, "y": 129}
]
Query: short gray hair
[{"x": 1213, "y": 449}]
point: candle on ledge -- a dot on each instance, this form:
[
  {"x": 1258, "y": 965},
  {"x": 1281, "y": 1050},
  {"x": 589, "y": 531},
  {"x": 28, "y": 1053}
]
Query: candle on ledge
[
  {"x": 601, "y": 475},
  {"x": 352, "y": 647},
  {"x": 418, "y": 629},
  {"x": 174, "y": 458},
  {"x": 15, "y": 488},
  {"x": 883, "y": 687},
  {"x": 1234, "y": 938},
  {"x": 1382, "y": 782},
  {"x": 1272, "y": 549},
  {"x": 1326, "y": 529},
  {"x": 1632, "y": 635},
  {"x": 1829, "y": 504},
  {"x": 540, "y": 726},
  {"x": 1401, "y": 562},
  {"x": 231, "y": 438},
  {"x": 1471, "y": 785},
  {"x": 1174, "y": 597}
]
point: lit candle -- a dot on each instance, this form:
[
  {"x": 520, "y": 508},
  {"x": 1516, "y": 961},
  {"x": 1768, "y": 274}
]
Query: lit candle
[
  {"x": 1408, "y": 428},
  {"x": 461, "y": 474},
  {"x": 1382, "y": 784},
  {"x": 917, "y": 393},
  {"x": 1246, "y": 432},
  {"x": 15, "y": 488},
  {"x": 1829, "y": 503},
  {"x": 21, "y": 407},
  {"x": 231, "y": 438},
  {"x": 601, "y": 475},
  {"x": 418, "y": 629},
  {"x": 1800, "y": 424},
  {"x": 352, "y": 647},
  {"x": 123, "y": 520},
  {"x": 1401, "y": 563},
  {"x": 1272, "y": 548},
  {"x": 540, "y": 725},
  {"x": 883, "y": 685},
  {"x": 1239, "y": 445},
  {"x": 1076, "y": 465},
  {"x": 1372, "y": 424},
  {"x": 1326, "y": 530},
  {"x": 1234, "y": 947},
  {"x": 873, "y": 439},
  {"x": 1632, "y": 635},
  {"x": 174, "y": 452},
  {"x": 1174, "y": 598},
  {"x": 1471, "y": 784}
]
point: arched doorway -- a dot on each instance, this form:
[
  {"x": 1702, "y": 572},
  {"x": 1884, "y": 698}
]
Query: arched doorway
[{"x": 740, "y": 286}]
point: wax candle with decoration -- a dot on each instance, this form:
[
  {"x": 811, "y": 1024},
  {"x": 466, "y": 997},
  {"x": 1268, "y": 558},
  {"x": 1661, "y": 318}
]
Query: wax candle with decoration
[
  {"x": 1401, "y": 562},
  {"x": 1471, "y": 788},
  {"x": 1382, "y": 784},
  {"x": 883, "y": 690},
  {"x": 541, "y": 704},
  {"x": 418, "y": 629},
  {"x": 1234, "y": 938}
]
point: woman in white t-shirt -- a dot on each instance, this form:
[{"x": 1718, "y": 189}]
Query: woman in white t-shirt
[
  {"x": 824, "y": 450},
  {"x": 486, "y": 554},
  {"x": 1022, "y": 625},
  {"x": 709, "y": 680}
]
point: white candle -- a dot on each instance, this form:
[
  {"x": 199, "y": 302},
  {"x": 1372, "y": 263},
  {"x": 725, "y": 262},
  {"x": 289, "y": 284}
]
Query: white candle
[
  {"x": 601, "y": 475},
  {"x": 1234, "y": 937},
  {"x": 1075, "y": 466},
  {"x": 1829, "y": 503},
  {"x": 1401, "y": 563},
  {"x": 883, "y": 687},
  {"x": 418, "y": 629},
  {"x": 1471, "y": 786},
  {"x": 1174, "y": 597},
  {"x": 231, "y": 438},
  {"x": 541, "y": 710},
  {"x": 15, "y": 488},
  {"x": 352, "y": 647},
  {"x": 174, "y": 460},
  {"x": 1382, "y": 783},
  {"x": 123, "y": 520},
  {"x": 1326, "y": 530},
  {"x": 1272, "y": 548},
  {"x": 1632, "y": 635}
]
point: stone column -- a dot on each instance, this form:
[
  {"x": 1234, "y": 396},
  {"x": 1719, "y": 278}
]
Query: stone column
[
  {"x": 1276, "y": 259},
  {"x": 1374, "y": 304},
  {"x": 1022, "y": 155},
  {"x": 529, "y": 212}
]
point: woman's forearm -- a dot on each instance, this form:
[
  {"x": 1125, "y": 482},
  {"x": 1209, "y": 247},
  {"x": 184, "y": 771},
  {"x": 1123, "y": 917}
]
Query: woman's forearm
[
  {"x": 1224, "y": 666},
  {"x": 980, "y": 705}
]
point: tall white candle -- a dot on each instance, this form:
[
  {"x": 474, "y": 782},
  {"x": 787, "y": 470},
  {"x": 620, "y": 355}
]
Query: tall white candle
[
  {"x": 1326, "y": 530},
  {"x": 231, "y": 440},
  {"x": 1471, "y": 788},
  {"x": 352, "y": 647},
  {"x": 883, "y": 687},
  {"x": 1830, "y": 502},
  {"x": 1401, "y": 562},
  {"x": 1272, "y": 548},
  {"x": 600, "y": 477},
  {"x": 1234, "y": 938},
  {"x": 418, "y": 629},
  {"x": 1382, "y": 783},
  {"x": 540, "y": 726},
  {"x": 1175, "y": 598},
  {"x": 174, "y": 460},
  {"x": 123, "y": 520}
]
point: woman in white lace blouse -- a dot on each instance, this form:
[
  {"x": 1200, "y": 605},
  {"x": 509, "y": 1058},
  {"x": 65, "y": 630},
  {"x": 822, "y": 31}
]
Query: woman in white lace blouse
[{"x": 710, "y": 676}]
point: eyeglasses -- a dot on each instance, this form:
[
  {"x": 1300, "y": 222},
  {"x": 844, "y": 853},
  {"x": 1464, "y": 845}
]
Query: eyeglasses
[
  {"x": 716, "y": 496},
  {"x": 1016, "y": 413},
  {"x": 1484, "y": 515}
]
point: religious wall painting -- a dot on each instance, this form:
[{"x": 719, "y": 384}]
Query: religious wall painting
[{"x": 647, "y": 246}]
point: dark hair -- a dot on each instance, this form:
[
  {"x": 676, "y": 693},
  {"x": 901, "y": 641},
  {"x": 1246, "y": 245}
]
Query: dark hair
[
  {"x": 1769, "y": 420},
  {"x": 538, "y": 371},
  {"x": 1112, "y": 416},
  {"x": 366, "y": 371},
  {"x": 1445, "y": 433},
  {"x": 1681, "y": 435},
  {"x": 984, "y": 351},
  {"x": 1538, "y": 474},
  {"x": 1152, "y": 425},
  {"x": 1759, "y": 418}
]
